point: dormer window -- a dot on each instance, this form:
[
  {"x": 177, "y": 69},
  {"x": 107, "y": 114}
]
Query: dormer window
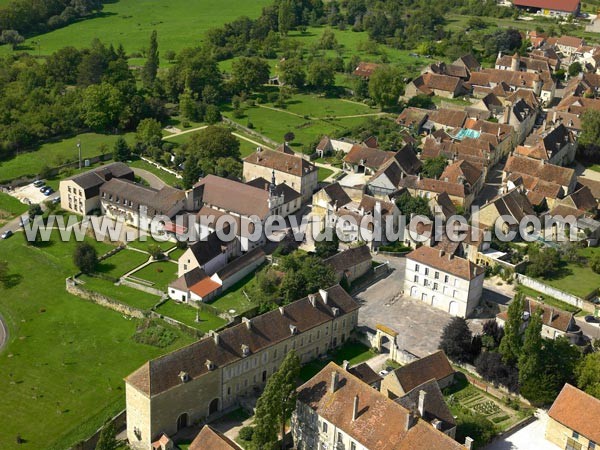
[
  {"x": 245, "y": 350},
  {"x": 210, "y": 365},
  {"x": 184, "y": 377},
  {"x": 293, "y": 329}
]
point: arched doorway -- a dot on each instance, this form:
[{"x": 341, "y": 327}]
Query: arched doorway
[
  {"x": 182, "y": 421},
  {"x": 213, "y": 407},
  {"x": 385, "y": 340},
  {"x": 413, "y": 292},
  {"x": 453, "y": 309},
  {"x": 424, "y": 297}
]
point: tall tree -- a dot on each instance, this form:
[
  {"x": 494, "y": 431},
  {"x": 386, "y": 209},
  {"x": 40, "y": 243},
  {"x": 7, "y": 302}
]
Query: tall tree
[
  {"x": 213, "y": 143},
  {"x": 590, "y": 134},
  {"x": 276, "y": 404},
  {"x": 121, "y": 150},
  {"x": 150, "y": 68},
  {"x": 511, "y": 344},
  {"x": 149, "y": 133},
  {"x": 327, "y": 247},
  {"x": 107, "y": 439},
  {"x": 588, "y": 374},
  {"x": 321, "y": 74},
  {"x": 191, "y": 172},
  {"x": 292, "y": 72},
  {"x": 249, "y": 73},
  {"x": 285, "y": 16},
  {"x": 456, "y": 340},
  {"x": 433, "y": 167},
  {"x": 530, "y": 358},
  {"x": 85, "y": 257},
  {"x": 386, "y": 85}
]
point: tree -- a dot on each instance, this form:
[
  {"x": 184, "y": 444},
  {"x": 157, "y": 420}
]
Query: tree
[
  {"x": 188, "y": 106},
  {"x": 492, "y": 334},
  {"x": 327, "y": 247},
  {"x": 149, "y": 133},
  {"x": 34, "y": 210},
  {"x": 587, "y": 373},
  {"x": 456, "y": 340},
  {"x": 191, "y": 172},
  {"x": 107, "y": 439},
  {"x": 213, "y": 143},
  {"x": 292, "y": 72},
  {"x": 575, "y": 69},
  {"x": 491, "y": 368},
  {"x": 11, "y": 37},
  {"x": 121, "y": 151},
  {"x": 595, "y": 262},
  {"x": 590, "y": 133},
  {"x": 304, "y": 274},
  {"x": 421, "y": 101},
  {"x": 150, "y": 68},
  {"x": 102, "y": 105},
  {"x": 85, "y": 257},
  {"x": 511, "y": 344},
  {"x": 530, "y": 359},
  {"x": 249, "y": 73},
  {"x": 289, "y": 136},
  {"x": 434, "y": 167},
  {"x": 155, "y": 251},
  {"x": 276, "y": 404},
  {"x": 321, "y": 74},
  {"x": 542, "y": 262},
  {"x": 409, "y": 205},
  {"x": 386, "y": 85},
  {"x": 328, "y": 40},
  {"x": 285, "y": 17}
]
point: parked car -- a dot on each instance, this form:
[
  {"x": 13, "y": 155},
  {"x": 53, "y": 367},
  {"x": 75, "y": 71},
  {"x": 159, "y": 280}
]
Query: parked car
[
  {"x": 39, "y": 183},
  {"x": 6, "y": 234},
  {"x": 48, "y": 192},
  {"x": 43, "y": 188},
  {"x": 591, "y": 319},
  {"x": 384, "y": 372},
  {"x": 56, "y": 200}
]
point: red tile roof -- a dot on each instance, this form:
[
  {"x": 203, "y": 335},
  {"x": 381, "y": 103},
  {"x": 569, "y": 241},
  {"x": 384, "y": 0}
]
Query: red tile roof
[
  {"x": 459, "y": 267},
  {"x": 211, "y": 439},
  {"x": 555, "y": 5},
  {"x": 577, "y": 411},
  {"x": 435, "y": 366}
]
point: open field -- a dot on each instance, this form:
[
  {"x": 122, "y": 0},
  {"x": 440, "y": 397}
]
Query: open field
[
  {"x": 53, "y": 154},
  {"x": 187, "y": 315},
  {"x": 122, "y": 262},
  {"x": 62, "y": 371},
  {"x": 179, "y": 23},
  {"x": 576, "y": 278},
  {"x": 143, "y": 245},
  {"x": 124, "y": 294},
  {"x": 10, "y": 208},
  {"x": 234, "y": 297},
  {"x": 160, "y": 273}
]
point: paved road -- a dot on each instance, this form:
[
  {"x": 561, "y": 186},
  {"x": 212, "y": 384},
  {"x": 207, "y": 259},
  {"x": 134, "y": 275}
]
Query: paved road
[{"x": 154, "y": 181}]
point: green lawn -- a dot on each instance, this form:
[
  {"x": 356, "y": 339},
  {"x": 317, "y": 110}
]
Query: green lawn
[
  {"x": 353, "y": 352},
  {"x": 187, "y": 315},
  {"x": 324, "y": 173},
  {"x": 124, "y": 294},
  {"x": 55, "y": 153},
  {"x": 160, "y": 273},
  {"x": 122, "y": 262},
  {"x": 10, "y": 208},
  {"x": 234, "y": 297},
  {"x": 143, "y": 245},
  {"x": 176, "y": 254},
  {"x": 547, "y": 299},
  {"x": 179, "y": 23},
  {"x": 167, "y": 177},
  {"x": 62, "y": 372},
  {"x": 576, "y": 278}
]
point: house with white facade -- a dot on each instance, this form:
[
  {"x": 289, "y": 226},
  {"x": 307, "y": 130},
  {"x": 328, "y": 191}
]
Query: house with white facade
[{"x": 443, "y": 281}]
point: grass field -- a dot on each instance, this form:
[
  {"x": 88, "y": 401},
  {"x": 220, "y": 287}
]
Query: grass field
[
  {"x": 122, "y": 262},
  {"x": 160, "y": 273},
  {"x": 56, "y": 153},
  {"x": 324, "y": 173},
  {"x": 167, "y": 177},
  {"x": 187, "y": 315},
  {"x": 576, "y": 278},
  {"x": 123, "y": 294},
  {"x": 62, "y": 371},
  {"x": 234, "y": 297},
  {"x": 179, "y": 23},
  {"x": 143, "y": 245},
  {"x": 10, "y": 208}
]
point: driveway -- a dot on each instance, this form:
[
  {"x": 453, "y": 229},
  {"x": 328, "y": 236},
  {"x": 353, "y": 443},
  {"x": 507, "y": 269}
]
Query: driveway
[
  {"x": 419, "y": 325},
  {"x": 154, "y": 181},
  {"x": 528, "y": 438}
]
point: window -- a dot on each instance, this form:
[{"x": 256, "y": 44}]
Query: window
[
  {"x": 426, "y": 270},
  {"x": 592, "y": 446},
  {"x": 454, "y": 294},
  {"x": 436, "y": 275},
  {"x": 446, "y": 278},
  {"x": 426, "y": 282},
  {"x": 572, "y": 444},
  {"x": 324, "y": 427},
  {"x": 340, "y": 438},
  {"x": 435, "y": 286},
  {"x": 416, "y": 278},
  {"x": 417, "y": 267},
  {"x": 575, "y": 435},
  {"x": 69, "y": 189},
  {"x": 352, "y": 446}
]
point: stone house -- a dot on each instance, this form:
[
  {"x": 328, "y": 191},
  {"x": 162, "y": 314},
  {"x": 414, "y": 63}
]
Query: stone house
[
  {"x": 81, "y": 193},
  {"x": 385, "y": 181},
  {"x": 404, "y": 379},
  {"x": 440, "y": 85},
  {"x": 191, "y": 384},
  {"x": 291, "y": 169},
  {"x": 350, "y": 264},
  {"x": 367, "y": 160},
  {"x": 555, "y": 145},
  {"x": 573, "y": 420},
  {"x": 209, "y": 253},
  {"x": 444, "y": 281},
  {"x": 328, "y": 200}
]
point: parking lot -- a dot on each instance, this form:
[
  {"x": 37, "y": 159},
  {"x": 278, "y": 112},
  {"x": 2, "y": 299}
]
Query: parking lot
[{"x": 30, "y": 194}]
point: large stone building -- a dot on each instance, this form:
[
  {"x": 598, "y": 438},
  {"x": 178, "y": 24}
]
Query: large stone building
[
  {"x": 192, "y": 383},
  {"x": 295, "y": 171},
  {"x": 573, "y": 420},
  {"x": 336, "y": 410},
  {"x": 81, "y": 193},
  {"x": 444, "y": 281}
]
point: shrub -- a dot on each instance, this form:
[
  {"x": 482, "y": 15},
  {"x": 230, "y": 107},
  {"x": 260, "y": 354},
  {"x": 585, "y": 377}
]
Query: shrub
[
  {"x": 151, "y": 332},
  {"x": 246, "y": 433}
]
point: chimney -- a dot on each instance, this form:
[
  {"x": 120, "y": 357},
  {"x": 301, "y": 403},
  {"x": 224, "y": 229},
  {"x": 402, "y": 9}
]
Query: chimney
[
  {"x": 468, "y": 443},
  {"x": 410, "y": 421},
  {"x": 281, "y": 311},
  {"x": 551, "y": 316},
  {"x": 335, "y": 312},
  {"x": 345, "y": 365},
  {"x": 247, "y": 322},
  {"x": 422, "y": 396},
  {"x": 323, "y": 294},
  {"x": 293, "y": 329},
  {"x": 355, "y": 408},
  {"x": 334, "y": 381},
  {"x": 437, "y": 424},
  {"x": 215, "y": 337},
  {"x": 450, "y": 256},
  {"x": 441, "y": 253},
  {"x": 312, "y": 299},
  {"x": 210, "y": 365}
]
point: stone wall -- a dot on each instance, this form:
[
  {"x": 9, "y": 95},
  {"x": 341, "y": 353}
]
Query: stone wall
[
  {"x": 553, "y": 292},
  {"x": 141, "y": 287},
  {"x": 119, "y": 421},
  {"x": 73, "y": 288}
]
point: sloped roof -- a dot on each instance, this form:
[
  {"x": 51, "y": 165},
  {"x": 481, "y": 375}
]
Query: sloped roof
[
  {"x": 288, "y": 193},
  {"x": 347, "y": 259},
  {"x": 370, "y": 157},
  {"x": 281, "y": 161},
  {"x": 337, "y": 195},
  {"x": 234, "y": 196},
  {"x": 241, "y": 262},
  {"x": 207, "y": 249},
  {"x": 188, "y": 279},
  {"x": 539, "y": 169},
  {"x": 212, "y": 439},
  {"x": 448, "y": 117},
  {"x": 512, "y": 203},
  {"x": 552, "y": 317},
  {"x": 435, "y": 366},
  {"x": 435, "y": 406},
  {"x": 380, "y": 423},
  {"x": 462, "y": 169},
  {"x": 577, "y": 411},
  {"x": 161, "y": 374},
  {"x": 365, "y": 69},
  {"x": 158, "y": 201},
  {"x": 459, "y": 267},
  {"x": 364, "y": 373}
]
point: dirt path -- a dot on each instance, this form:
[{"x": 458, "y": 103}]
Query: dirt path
[
  {"x": 184, "y": 132},
  {"x": 259, "y": 144}
]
